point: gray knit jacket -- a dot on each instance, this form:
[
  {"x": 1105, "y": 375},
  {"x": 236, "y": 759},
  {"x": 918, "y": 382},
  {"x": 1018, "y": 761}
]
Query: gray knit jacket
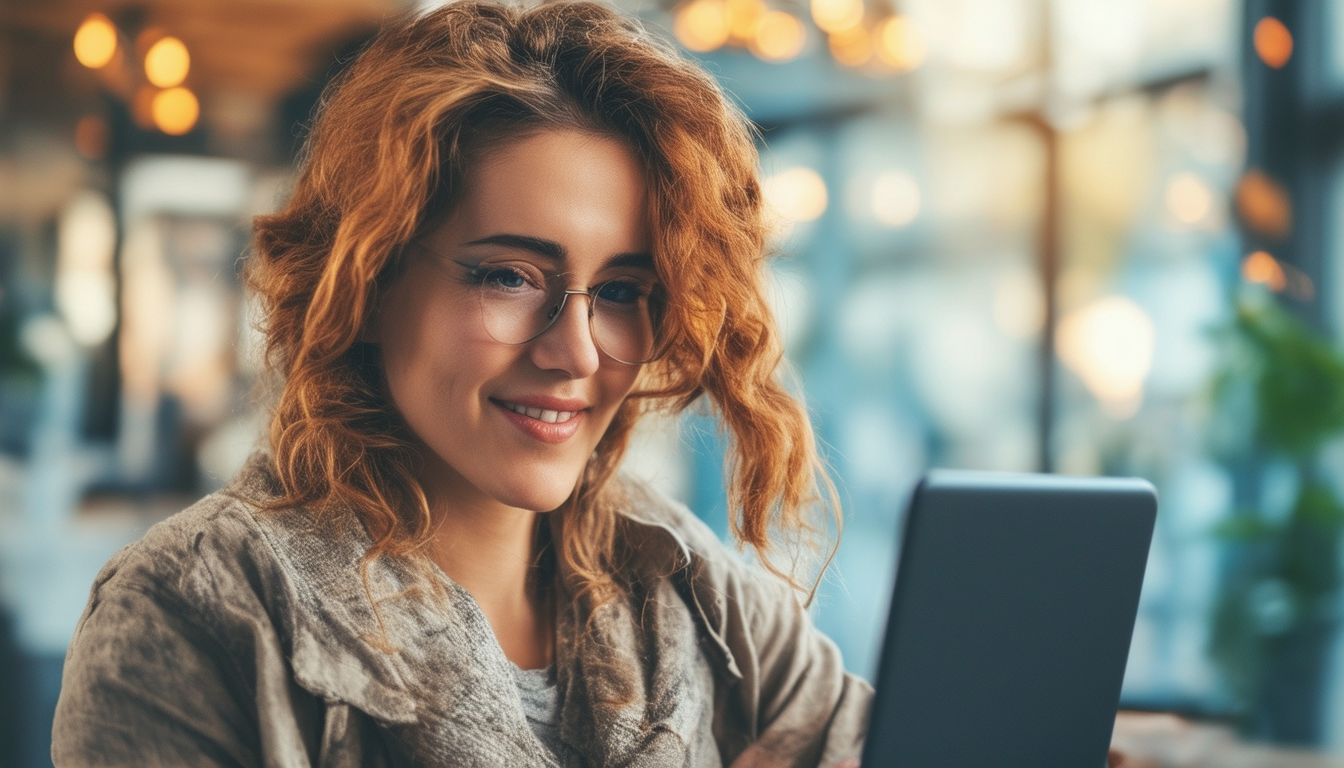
[{"x": 230, "y": 636}]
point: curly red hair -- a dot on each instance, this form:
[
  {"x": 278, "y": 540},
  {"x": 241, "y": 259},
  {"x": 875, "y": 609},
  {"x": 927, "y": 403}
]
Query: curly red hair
[{"x": 386, "y": 157}]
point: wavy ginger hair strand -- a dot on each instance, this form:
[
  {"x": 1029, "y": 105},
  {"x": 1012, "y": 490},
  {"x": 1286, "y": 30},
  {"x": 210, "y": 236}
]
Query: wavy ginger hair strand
[{"x": 394, "y": 138}]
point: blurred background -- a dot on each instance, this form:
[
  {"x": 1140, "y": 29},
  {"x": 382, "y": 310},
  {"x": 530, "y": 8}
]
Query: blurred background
[{"x": 1080, "y": 236}]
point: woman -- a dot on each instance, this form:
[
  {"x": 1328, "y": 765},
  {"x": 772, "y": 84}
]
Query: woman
[{"x": 514, "y": 232}]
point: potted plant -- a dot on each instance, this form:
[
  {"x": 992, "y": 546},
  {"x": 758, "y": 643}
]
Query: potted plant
[{"x": 1278, "y": 404}]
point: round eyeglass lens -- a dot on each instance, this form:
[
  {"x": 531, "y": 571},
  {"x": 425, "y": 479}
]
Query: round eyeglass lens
[
  {"x": 622, "y": 314},
  {"x": 622, "y": 320}
]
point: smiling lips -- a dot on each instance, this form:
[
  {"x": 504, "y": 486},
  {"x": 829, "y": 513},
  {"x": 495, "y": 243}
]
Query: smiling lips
[
  {"x": 549, "y": 425},
  {"x": 543, "y": 414}
]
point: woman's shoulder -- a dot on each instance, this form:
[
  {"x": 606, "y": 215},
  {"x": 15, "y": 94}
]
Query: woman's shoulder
[
  {"x": 218, "y": 527},
  {"x": 186, "y": 629},
  {"x": 655, "y": 518},
  {"x": 228, "y": 541},
  {"x": 670, "y": 539}
]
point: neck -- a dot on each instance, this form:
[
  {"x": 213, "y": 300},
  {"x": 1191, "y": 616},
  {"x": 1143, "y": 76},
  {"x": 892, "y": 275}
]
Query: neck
[{"x": 490, "y": 550}]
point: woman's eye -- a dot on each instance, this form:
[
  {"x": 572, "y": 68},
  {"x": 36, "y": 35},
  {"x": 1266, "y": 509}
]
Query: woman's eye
[
  {"x": 504, "y": 279},
  {"x": 624, "y": 292}
]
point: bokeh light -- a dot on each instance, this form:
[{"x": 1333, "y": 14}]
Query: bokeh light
[
  {"x": 1273, "y": 42},
  {"x": 852, "y": 47},
  {"x": 85, "y": 291},
  {"x": 796, "y": 194},
  {"x": 1263, "y": 205},
  {"x": 1262, "y": 268},
  {"x": 744, "y": 17},
  {"x": 837, "y": 15},
  {"x": 701, "y": 25},
  {"x": 901, "y": 43},
  {"x": 167, "y": 63},
  {"x": 95, "y": 41},
  {"x": 779, "y": 37},
  {"x": 1109, "y": 345},
  {"x": 1188, "y": 198},
  {"x": 175, "y": 111},
  {"x": 895, "y": 198}
]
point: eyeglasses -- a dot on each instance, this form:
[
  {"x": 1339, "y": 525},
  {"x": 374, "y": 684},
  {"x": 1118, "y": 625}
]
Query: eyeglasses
[{"x": 519, "y": 302}]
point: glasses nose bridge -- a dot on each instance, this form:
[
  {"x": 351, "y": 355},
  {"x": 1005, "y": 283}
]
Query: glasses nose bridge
[
  {"x": 599, "y": 337},
  {"x": 558, "y": 307},
  {"x": 565, "y": 293}
]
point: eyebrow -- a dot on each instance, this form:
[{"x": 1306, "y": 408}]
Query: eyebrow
[{"x": 549, "y": 249}]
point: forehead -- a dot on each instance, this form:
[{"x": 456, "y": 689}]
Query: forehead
[{"x": 583, "y": 191}]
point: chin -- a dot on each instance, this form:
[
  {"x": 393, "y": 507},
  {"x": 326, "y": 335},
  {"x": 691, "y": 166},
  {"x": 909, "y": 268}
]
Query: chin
[
  {"x": 538, "y": 502},
  {"x": 538, "y": 489}
]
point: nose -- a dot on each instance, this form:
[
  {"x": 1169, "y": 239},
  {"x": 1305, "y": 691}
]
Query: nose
[{"x": 568, "y": 345}]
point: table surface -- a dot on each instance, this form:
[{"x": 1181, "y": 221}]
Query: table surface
[{"x": 1166, "y": 741}]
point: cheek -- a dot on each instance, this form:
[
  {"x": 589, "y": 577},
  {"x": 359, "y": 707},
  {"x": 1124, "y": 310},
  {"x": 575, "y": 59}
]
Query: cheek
[
  {"x": 435, "y": 372},
  {"x": 424, "y": 352},
  {"x": 615, "y": 384},
  {"x": 404, "y": 347},
  {"x": 622, "y": 380}
]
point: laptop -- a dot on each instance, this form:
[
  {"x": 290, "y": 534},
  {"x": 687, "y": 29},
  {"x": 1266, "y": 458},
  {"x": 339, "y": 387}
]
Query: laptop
[{"x": 1010, "y": 621}]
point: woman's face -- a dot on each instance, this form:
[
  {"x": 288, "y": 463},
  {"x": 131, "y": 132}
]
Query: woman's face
[{"x": 555, "y": 203}]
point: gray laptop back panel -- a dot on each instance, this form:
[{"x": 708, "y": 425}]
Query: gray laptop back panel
[{"x": 1010, "y": 622}]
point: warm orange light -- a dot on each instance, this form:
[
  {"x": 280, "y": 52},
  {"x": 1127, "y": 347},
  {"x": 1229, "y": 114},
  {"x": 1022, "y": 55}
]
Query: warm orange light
[
  {"x": 167, "y": 62},
  {"x": 852, "y": 47},
  {"x": 900, "y": 43},
  {"x": 744, "y": 16},
  {"x": 1260, "y": 267},
  {"x": 91, "y": 137},
  {"x": 1264, "y": 205},
  {"x": 779, "y": 37},
  {"x": 837, "y": 15},
  {"x": 1273, "y": 42},
  {"x": 175, "y": 111},
  {"x": 701, "y": 25},
  {"x": 95, "y": 41}
]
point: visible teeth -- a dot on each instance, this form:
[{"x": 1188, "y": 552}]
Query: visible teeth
[{"x": 541, "y": 414}]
